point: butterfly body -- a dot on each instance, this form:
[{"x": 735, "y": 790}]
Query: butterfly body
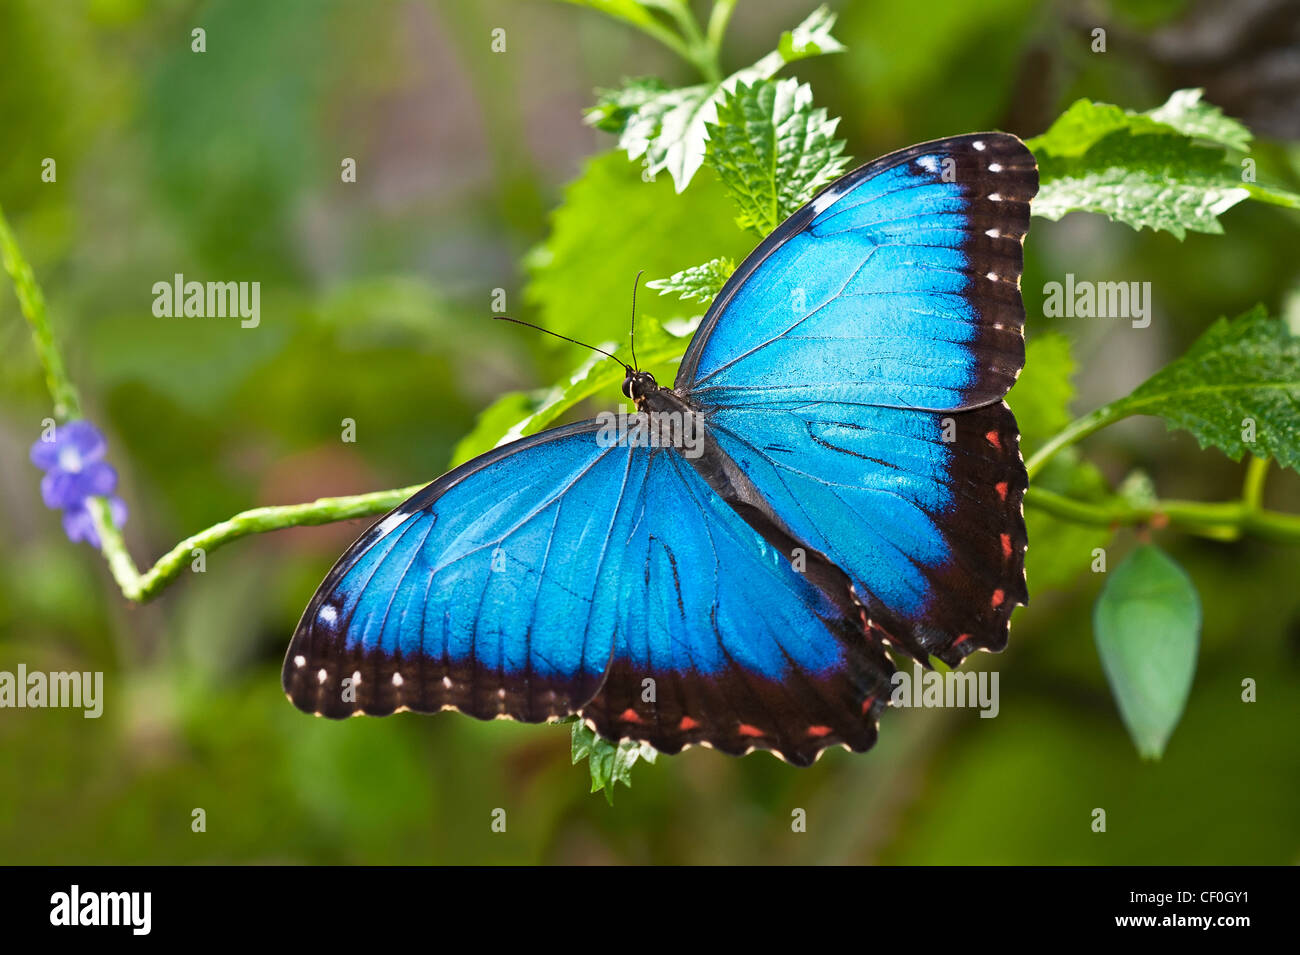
[{"x": 855, "y": 492}]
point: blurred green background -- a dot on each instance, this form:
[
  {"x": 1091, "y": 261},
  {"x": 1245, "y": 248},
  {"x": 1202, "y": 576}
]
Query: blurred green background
[{"x": 375, "y": 302}]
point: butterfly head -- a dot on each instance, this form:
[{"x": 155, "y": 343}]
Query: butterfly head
[{"x": 638, "y": 384}]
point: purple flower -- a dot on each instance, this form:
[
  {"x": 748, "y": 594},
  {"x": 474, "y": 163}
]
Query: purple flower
[
  {"x": 75, "y": 445},
  {"x": 75, "y": 470},
  {"x": 80, "y": 526}
]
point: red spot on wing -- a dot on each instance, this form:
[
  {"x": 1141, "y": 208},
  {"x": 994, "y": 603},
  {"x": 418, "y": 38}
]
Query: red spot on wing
[
  {"x": 818, "y": 731},
  {"x": 1002, "y": 489},
  {"x": 687, "y": 723},
  {"x": 747, "y": 730},
  {"x": 998, "y": 597},
  {"x": 630, "y": 716},
  {"x": 866, "y": 705},
  {"x": 960, "y": 640},
  {"x": 1006, "y": 545},
  {"x": 993, "y": 439}
]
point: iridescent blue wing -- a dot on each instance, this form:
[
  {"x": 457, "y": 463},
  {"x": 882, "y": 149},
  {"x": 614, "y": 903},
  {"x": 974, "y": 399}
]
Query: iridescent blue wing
[
  {"x": 557, "y": 575},
  {"x": 487, "y": 592},
  {"x": 923, "y": 511},
  {"x": 853, "y": 367},
  {"x": 726, "y": 644},
  {"x": 898, "y": 285}
]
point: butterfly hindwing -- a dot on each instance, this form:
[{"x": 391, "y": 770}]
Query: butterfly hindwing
[
  {"x": 922, "y": 510},
  {"x": 726, "y": 643}
]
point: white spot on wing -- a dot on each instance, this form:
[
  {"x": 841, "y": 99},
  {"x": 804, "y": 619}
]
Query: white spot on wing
[
  {"x": 328, "y": 614},
  {"x": 300, "y": 661},
  {"x": 397, "y": 679},
  {"x": 391, "y": 521},
  {"x": 321, "y": 675}
]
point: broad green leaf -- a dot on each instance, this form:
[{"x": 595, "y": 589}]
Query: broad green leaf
[
  {"x": 518, "y": 414},
  {"x": 699, "y": 283},
  {"x": 1237, "y": 389},
  {"x": 1059, "y": 551},
  {"x": 1156, "y": 182},
  {"x": 1147, "y": 624},
  {"x": 773, "y": 150},
  {"x": 611, "y": 225},
  {"x": 610, "y": 763},
  {"x": 668, "y": 128},
  {"x": 1165, "y": 169},
  {"x": 1086, "y": 123}
]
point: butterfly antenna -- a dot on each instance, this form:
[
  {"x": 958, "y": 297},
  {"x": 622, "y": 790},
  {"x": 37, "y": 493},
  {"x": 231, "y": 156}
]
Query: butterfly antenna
[
  {"x": 634, "y": 284},
  {"x": 547, "y": 331}
]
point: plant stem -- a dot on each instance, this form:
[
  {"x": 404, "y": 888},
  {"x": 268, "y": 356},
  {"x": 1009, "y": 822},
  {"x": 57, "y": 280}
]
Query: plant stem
[
  {"x": 719, "y": 17},
  {"x": 1219, "y": 520},
  {"x": 140, "y": 587},
  {"x": 1077, "y": 430},
  {"x": 67, "y": 403},
  {"x": 1252, "y": 490},
  {"x": 698, "y": 51}
]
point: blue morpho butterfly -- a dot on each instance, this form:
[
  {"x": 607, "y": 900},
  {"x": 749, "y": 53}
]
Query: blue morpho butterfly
[{"x": 859, "y": 492}]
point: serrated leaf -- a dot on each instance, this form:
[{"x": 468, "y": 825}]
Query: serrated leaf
[
  {"x": 1147, "y": 624},
  {"x": 518, "y": 414},
  {"x": 1186, "y": 112},
  {"x": 699, "y": 283},
  {"x": 1239, "y": 377},
  {"x": 610, "y": 763},
  {"x": 1156, "y": 182},
  {"x": 668, "y": 129},
  {"x": 772, "y": 150},
  {"x": 1164, "y": 169},
  {"x": 1086, "y": 123}
]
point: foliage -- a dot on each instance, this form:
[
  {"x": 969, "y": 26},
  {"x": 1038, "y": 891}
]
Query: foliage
[
  {"x": 200, "y": 437},
  {"x": 1148, "y": 170}
]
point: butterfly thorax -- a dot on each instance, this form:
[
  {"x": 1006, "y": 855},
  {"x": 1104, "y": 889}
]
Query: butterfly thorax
[{"x": 648, "y": 395}]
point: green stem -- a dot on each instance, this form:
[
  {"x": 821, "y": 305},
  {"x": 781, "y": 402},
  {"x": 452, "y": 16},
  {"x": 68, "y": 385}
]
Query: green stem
[
  {"x": 1075, "y": 431},
  {"x": 698, "y": 51},
  {"x": 719, "y": 17},
  {"x": 1219, "y": 520},
  {"x": 140, "y": 587},
  {"x": 31, "y": 301},
  {"x": 1252, "y": 490}
]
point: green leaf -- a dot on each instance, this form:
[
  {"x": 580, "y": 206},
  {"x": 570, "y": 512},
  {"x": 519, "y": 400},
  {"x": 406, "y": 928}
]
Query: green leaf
[
  {"x": 1147, "y": 623},
  {"x": 1058, "y": 550},
  {"x": 610, "y": 763},
  {"x": 772, "y": 150},
  {"x": 1163, "y": 169},
  {"x": 1086, "y": 123},
  {"x": 517, "y": 414},
  {"x": 1239, "y": 376},
  {"x": 1156, "y": 182},
  {"x": 610, "y": 225},
  {"x": 699, "y": 283},
  {"x": 667, "y": 129}
]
